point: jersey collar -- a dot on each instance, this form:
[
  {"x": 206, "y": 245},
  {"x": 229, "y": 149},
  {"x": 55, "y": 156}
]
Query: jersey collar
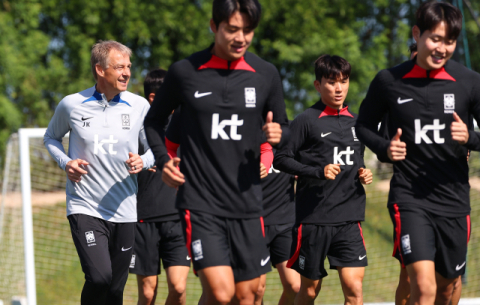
[
  {"x": 102, "y": 100},
  {"x": 419, "y": 72},
  {"x": 216, "y": 62},
  {"x": 329, "y": 111}
]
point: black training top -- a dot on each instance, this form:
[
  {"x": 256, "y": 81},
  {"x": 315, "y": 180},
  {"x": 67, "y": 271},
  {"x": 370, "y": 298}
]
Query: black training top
[
  {"x": 320, "y": 136},
  {"x": 224, "y": 105},
  {"x": 155, "y": 200},
  {"x": 278, "y": 197},
  {"x": 434, "y": 174}
]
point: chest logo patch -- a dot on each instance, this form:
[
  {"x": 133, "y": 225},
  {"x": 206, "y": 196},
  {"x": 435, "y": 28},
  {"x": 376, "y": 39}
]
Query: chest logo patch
[
  {"x": 449, "y": 102},
  {"x": 337, "y": 156},
  {"x": 354, "y": 134},
  {"x": 250, "y": 97},
  {"x": 126, "y": 121}
]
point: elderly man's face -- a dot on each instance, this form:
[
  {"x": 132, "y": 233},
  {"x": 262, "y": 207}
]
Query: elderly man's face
[{"x": 118, "y": 72}]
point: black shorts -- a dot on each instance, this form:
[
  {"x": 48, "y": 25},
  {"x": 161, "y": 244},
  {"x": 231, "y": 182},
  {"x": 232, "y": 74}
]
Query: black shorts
[
  {"x": 420, "y": 235},
  {"x": 343, "y": 245},
  {"x": 158, "y": 240},
  {"x": 220, "y": 241},
  {"x": 104, "y": 248},
  {"x": 279, "y": 242}
]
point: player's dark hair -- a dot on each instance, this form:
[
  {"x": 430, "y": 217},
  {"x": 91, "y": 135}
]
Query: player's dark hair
[
  {"x": 223, "y": 9},
  {"x": 412, "y": 48},
  {"x": 332, "y": 67},
  {"x": 432, "y": 13},
  {"x": 153, "y": 81}
]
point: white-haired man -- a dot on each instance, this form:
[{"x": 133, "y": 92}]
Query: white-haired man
[{"x": 106, "y": 126}]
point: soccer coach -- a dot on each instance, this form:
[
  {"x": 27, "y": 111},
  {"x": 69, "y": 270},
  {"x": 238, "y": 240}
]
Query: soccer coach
[{"x": 106, "y": 125}]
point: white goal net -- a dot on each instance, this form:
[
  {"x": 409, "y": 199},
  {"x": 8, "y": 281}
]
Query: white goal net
[{"x": 49, "y": 272}]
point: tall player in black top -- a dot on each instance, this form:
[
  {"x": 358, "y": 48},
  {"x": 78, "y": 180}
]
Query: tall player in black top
[
  {"x": 427, "y": 101},
  {"x": 159, "y": 233},
  {"x": 226, "y": 95},
  {"x": 330, "y": 202}
]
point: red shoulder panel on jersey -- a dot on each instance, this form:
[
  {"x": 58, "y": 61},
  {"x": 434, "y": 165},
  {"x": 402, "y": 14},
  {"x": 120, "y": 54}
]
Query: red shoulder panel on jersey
[{"x": 216, "y": 62}]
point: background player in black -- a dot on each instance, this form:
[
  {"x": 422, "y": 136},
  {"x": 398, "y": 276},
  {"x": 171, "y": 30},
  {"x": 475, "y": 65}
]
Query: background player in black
[
  {"x": 225, "y": 94},
  {"x": 279, "y": 219},
  {"x": 330, "y": 200},
  {"x": 429, "y": 192},
  {"x": 159, "y": 234}
]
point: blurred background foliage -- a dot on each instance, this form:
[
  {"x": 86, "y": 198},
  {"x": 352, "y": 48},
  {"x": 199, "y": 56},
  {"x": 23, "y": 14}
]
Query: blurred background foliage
[{"x": 45, "y": 45}]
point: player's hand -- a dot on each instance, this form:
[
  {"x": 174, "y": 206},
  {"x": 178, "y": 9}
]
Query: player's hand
[
  {"x": 459, "y": 130},
  {"x": 397, "y": 149},
  {"x": 331, "y": 171},
  {"x": 153, "y": 169},
  {"x": 171, "y": 175},
  {"x": 365, "y": 175},
  {"x": 273, "y": 131},
  {"x": 135, "y": 163},
  {"x": 74, "y": 171},
  {"x": 263, "y": 171}
]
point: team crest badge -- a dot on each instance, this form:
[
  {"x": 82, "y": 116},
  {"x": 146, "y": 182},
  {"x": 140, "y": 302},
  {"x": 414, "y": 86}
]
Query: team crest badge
[
  {"x": 90, "y": 237},
  {"x": 406, "y": 244},
  {"x": 250, "y": 97},
  {"x": 301, "y": 262},
  {"x": 132, "y": 261},
  {"x": 126, "y": 121},
  {"x": 449, "y": 102},
  {"x": 197, "y": 249}
]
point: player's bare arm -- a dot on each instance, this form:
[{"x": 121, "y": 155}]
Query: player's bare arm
[
  {"x": 74, "y": 171},
  {"x": 397, "y": 149},
  {"x": 459, "y": 130},
  {"x": 135, "y": 163},
  {"x": 263, "y": 171},
  {"x": 331, "y": 171},
  {"x": 272, "y": 130},
  {"x": 365, "y": 175},
  {"x": 171, "y": 175}
]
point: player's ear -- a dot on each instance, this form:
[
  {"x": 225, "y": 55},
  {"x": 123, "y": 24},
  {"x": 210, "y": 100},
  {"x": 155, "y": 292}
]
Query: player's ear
[
  {"x": 151, "y": 97},
  {"x": 317, "y": 85},
  {"x": 99, "y": 69},
  {"x": 416, "y": 33},
  {"x": 213, "y": 26}
]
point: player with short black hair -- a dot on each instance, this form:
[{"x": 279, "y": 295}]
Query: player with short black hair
[
  {"x": 159, "y": 233},
  {"x": 330, "y": 201},
  {"x": 427, "y": 100},
  {"x": 227, "y": 97},
  {"x": 222, "y": 11}
]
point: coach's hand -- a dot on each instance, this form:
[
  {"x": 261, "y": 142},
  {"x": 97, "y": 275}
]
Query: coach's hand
[
  {"x": 263, "y": 171},
  {"x": 459, "y": 130},
  {"x": 171, "y": 175},
  {"x": 74, "y": 171},
  {"x": 135, "y": 163},
  {"x": 331, "y": 171},
  {"x": 397, "y": 149},
  {"x": 365, "y": 175},
  {"x": 273, "y": 131}
]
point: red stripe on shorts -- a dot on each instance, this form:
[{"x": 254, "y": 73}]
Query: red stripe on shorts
[
  {"x": 468, "y": 228},
  {"x": 361, "y": 234},
  {"x": 189, "y": 232},
  {"x": 398, "y": 231},
  {"x": 263, "y": 226},
  {"x": 294, "y": 258}
]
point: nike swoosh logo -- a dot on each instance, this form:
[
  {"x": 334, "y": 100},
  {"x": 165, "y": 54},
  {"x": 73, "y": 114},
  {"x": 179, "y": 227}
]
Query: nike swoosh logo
[
  {"x": 325, "y": 134},
  {"x": 400, "y": 101},
  {"x": 263, "y": 262},
  {"x": 126, "y": 249},
  {"x": 188, "y": 258},
  {"x": 460, "y": 267},
  {"x": 199, "y": 95},
  {"x": 84, "y": 119},
  {"x": 361, "y": 257}
]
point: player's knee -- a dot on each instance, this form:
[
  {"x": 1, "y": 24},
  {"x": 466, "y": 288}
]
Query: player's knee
[
  {"x": 177, "y": 289},
  {"x": 261, "y": 290},
  {"x": 354, "y": 288},
  {"x": 426, "y": 287},
  {"x": 291, "y": 288},
  {"x": 311, "y": 292},
  {"x": 100, "y": 279},
  {"x": 220, "y": 296},
  {"x": 148, "y": 294}
]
